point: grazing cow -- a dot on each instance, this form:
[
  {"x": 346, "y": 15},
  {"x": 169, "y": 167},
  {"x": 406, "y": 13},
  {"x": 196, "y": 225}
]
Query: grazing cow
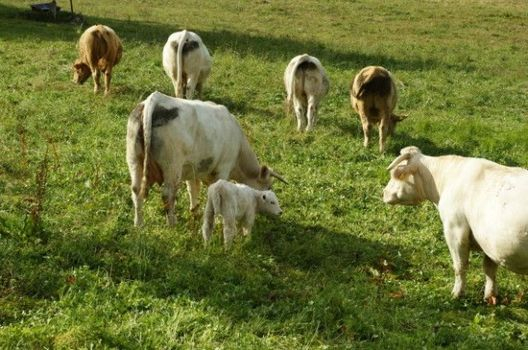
[
  {"x": 170, "y": 140},
  {"x": 373, "y": 95},
  {"x": 187, "y": 62},
  {"x": 99, "y": 51},
  {"x": 236, "y": 202},
  {"x": 483, "y": 205},
  {"x": 306, "y": 84}
]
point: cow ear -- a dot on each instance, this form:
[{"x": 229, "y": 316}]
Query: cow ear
[
  {"x": 264, "y": 172},
  {"x": 403, "y": 171}
]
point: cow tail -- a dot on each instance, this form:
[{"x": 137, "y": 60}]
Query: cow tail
[
  {"x": 147, "y": 140},
  {"x": 179, "y": 62},
  {"x": 302, "y": 59}
]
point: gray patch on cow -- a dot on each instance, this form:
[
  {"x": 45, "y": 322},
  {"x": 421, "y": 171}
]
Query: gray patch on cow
[
  {"x": 205, "y": 164},
  {"x": 156, "y": 144},
  {"x": 162, "y": 115},
  {"x": 189, "y": 46},
  {"x": 307, "y": 65}
]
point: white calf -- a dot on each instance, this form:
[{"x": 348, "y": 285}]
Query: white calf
[{"x": 236, "y": 202}]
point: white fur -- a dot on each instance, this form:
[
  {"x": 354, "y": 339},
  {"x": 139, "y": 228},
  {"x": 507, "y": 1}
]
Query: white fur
[
  {"x": 305, "y": 90},
  {"x": 479, "y": 201},
  {"x": 236, "y": 203},
  {"x": 187, "y": 72}
]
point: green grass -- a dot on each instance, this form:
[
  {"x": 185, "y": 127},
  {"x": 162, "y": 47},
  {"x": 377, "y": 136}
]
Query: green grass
[{"x": 339, "y": 269}]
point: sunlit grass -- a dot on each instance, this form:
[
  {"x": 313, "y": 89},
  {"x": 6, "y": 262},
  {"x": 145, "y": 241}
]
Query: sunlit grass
[{"x": 339, "y": 269}]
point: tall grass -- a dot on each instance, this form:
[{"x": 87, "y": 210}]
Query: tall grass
[{"x": 339, "y": 269}]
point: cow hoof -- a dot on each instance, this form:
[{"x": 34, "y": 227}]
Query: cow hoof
[{"x": 491, "y": 300}]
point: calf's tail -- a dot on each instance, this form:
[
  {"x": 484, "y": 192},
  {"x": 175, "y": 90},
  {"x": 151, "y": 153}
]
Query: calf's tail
[{"x": 214, "y": 204}]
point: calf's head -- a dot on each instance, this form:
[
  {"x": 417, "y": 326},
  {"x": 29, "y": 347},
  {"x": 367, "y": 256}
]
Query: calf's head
[
  {"x": 405, "y": 185},
  {"x": 269, "y": 204},
  {"x": 81, "y": 72}
]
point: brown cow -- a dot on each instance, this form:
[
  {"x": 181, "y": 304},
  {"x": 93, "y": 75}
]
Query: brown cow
[
  {"x": 373, "y": 96},
  {"x": 99, "y": 51}
]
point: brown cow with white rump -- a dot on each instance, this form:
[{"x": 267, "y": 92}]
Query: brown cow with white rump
[
  {"x": 373, "y": 96},
  {"x": 99, "y": 51}
]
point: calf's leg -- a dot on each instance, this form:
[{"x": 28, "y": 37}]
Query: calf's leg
[{"x": 229, "y": 231}]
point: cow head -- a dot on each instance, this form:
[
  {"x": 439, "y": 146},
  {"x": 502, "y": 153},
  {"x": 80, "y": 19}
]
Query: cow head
[
  {"x": 394, "y": 119},
  {"x": 81, "y": 72},
  {"x": 264, "y": 180},
  {"x": 269, "y": 204},
  {"x": 405, "y": 185}
]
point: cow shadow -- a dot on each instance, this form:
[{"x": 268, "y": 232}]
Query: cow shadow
[
  {"x": 403, "y": 139},
  {"x": 265, "y": 47}
]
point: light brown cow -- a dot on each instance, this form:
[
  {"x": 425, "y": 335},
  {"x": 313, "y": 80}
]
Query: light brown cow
[
  {"x": 373, "y": 96},
  {"x": 100, "y": 50}
]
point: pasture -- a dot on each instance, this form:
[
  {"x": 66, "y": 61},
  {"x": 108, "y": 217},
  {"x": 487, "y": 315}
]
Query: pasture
[{"x": 339, "y": 269}]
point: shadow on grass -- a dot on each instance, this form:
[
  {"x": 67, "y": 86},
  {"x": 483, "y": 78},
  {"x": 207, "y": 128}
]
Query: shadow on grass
[
  {"x": 401, "y": 139},
  {"x": 265, "y": 47}
]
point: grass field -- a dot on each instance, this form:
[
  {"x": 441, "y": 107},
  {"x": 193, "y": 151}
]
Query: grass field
[{"x": 339, "y": 269}]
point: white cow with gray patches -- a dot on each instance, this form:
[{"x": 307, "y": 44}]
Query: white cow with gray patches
[
  {"x": 236, "y": 203},
  {"x": 187, "y": 62},
  {"x": 306, "y": 84},
  {"x": 170, "y": 140},
  {"x": 483, "y": 205}
]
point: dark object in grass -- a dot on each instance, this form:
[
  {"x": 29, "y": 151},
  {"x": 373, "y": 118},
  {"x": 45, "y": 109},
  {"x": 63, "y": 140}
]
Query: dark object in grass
[{"x": 47, "y": 7}]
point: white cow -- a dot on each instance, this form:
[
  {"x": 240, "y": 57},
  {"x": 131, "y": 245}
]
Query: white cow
[
  {"x": 482, "y": 205},
  {"x": 170, "y": 140},
  {"x": 187, "y": 62},
  {"x": 236, "y": 202},
  {"x": 306, "y": 84}
]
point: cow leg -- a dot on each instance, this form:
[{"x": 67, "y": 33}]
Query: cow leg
[
  {"x": 168, "y": 193},
  {"x": 193, "y": 188},
  {"x": 311, "y": 114},
  {"x": 299, "y": 113},
  {"x": 229, "y": 231},
  {"x": 383, "y": 131},
  {"x": 107, "y": 78},
  {"x": 457, "y": 238},
  {"x": 366, "y": 128},
  {"x": 191, "y": 86},
  {"x": 96, "y": 74},
  {"x": 490, "y": 289}
]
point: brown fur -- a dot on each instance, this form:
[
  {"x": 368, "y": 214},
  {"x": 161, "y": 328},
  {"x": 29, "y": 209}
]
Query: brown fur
[
  {"x": 374, "y": 96},
  {"x": 100, "y": 50}
]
